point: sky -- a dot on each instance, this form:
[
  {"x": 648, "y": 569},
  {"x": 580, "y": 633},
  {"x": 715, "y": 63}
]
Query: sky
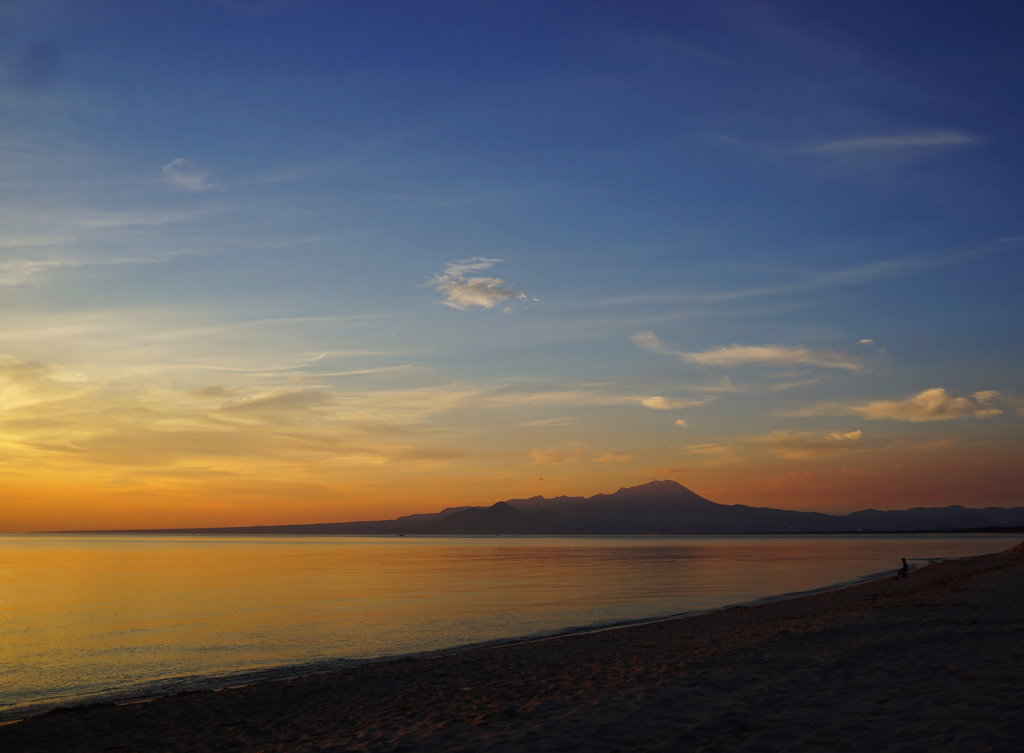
[{"x": 298, "y": 261}]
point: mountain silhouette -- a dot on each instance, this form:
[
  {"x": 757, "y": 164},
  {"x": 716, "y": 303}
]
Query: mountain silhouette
[
  {"x": 667, "y": 507},
  {"x": 655, "y": 507}
]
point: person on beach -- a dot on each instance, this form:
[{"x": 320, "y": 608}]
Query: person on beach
[{"x": 902, "y": 572}]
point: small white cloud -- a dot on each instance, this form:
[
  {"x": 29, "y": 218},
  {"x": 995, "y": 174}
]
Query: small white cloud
[
  {"x": 892, "y": 143},
  {"x": 547, "y": 422},
  {"x": 735, "y": 355},
  {"x": 681, "y": 423},
  {"x": 462, "y": 291},
  {"x": 931, "y": 405},
  {"x": 187, "y": 175},
  {"x": 866, "y": 341}
]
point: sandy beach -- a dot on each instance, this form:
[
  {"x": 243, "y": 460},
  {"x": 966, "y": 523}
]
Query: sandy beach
[{"x": 933, "y": 662}]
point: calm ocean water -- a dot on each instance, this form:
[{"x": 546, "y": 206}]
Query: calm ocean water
[{"x": 86, "y": 618}]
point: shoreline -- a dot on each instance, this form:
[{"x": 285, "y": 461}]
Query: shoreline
[
  {"x": 246, "y": 678},
  {"x": 931, "y": 663}
]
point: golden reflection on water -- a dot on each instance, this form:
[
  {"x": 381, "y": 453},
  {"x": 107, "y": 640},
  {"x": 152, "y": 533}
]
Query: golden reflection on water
[{"x": 83, "y": 614}]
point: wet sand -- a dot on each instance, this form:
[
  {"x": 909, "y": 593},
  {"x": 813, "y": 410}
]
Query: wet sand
[{"x": 933, "y": 662}]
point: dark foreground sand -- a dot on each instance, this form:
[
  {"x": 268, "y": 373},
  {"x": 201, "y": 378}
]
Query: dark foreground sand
[{"x": 931, "y": 663}]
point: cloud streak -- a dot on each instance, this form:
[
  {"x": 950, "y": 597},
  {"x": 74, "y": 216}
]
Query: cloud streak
[
  {"x": 812, "y": 282},
  {"x": 25, "y": 271},
  {"x": 37, "y": 241},
  {"x": 584, "y": 396},
  {"x": 915, "y": 141},
  {"x": 576, "y": 452},
  {"x": 737, "y": 355},
  {"x": 708, "y": 448},
  {"x": 657, "y": 402}
]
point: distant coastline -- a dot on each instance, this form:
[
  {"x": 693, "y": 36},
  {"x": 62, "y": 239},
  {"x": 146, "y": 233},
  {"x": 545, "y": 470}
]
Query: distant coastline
[{"x": 655, "y": 508}]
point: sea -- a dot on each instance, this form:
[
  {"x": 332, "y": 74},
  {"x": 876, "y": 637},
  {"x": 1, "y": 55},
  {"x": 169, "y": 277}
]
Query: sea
[{"x": 99, "y": 618}]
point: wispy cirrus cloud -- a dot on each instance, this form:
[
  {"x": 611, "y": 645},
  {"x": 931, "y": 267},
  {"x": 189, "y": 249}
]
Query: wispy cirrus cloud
[
  {"x": 461, "y": 289},
  {"x": 552, "y": 422},
  {"x": 821, "y": 280},
  {"x": 24, "y": 383},
  {"x": 775, "y": 355},
  {"x": 280, "y": 404},
  {"x": 809, "y": 281},
  {"x": 187, "y": 175},
  {"x": 736, "y": 355},
  {"x": 610, "y": 456},
  {"x": 573, "y": 396},
  {"x": 25, "y": 271},
  {"x": 576, "y": 452},
  {"x": 68, "y": 421},
  {"x": 657, "y": 402},
  {"x": 37, "y": 239},
  {"x": 916, "y": 141},
  {"x": 708, "y": 448},
  {"x": 572, "y": 452},
  {"x": 593, "y": 395},
  {"x": 724, "y": 386}
]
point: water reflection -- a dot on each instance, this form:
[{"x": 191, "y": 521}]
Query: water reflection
[{"x": 85, "y": 614}]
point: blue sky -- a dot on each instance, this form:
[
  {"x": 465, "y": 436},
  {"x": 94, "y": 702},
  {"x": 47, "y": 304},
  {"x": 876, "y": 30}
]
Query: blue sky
[{"x": 280, "y": 261}]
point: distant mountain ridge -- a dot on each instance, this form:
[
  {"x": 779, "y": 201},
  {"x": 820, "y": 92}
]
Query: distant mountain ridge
[{"x": 655, "y": 507}]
